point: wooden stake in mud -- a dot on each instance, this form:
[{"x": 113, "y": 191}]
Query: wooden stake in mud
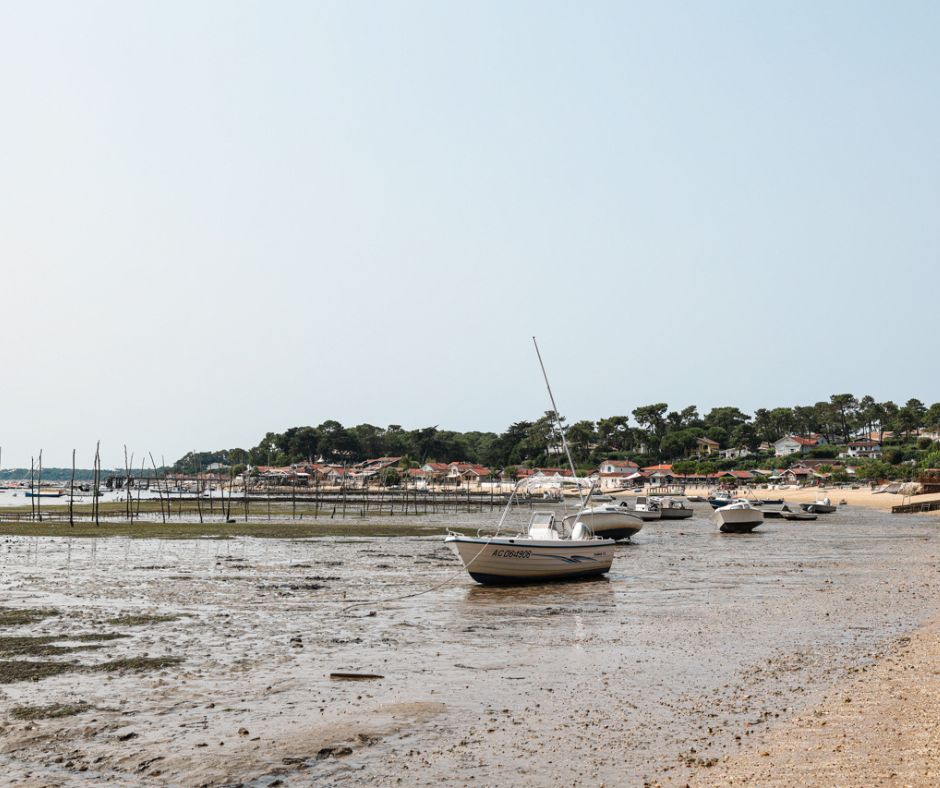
[
  {"x": 39, "y": 490},
  {"x": 142, "y": 467},
  {"x": 32, "y": 492},
  {"x": 159, "y": 488},
  {"x": 128, "y": 509},
  {"x": 72, "y": 493},
  {"x": 198, "y": 491},
  {"x": 97, "y": 477},
  {"x": 245, "y": 491}
]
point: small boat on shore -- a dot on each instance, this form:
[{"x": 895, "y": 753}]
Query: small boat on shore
[
  {"x": 547, "y": 551},
  {"x": 608, "y": 520},
  {"x": 672, "y": 508},
  {"x": 738, "y": 517},
  {"x": 646, "y": 509},
  {"x": 818, "y": 506},
  {"x": 44, "y": 493},
  {"x": 717, "y": 501},
  {"x": 796, "y": 514}
]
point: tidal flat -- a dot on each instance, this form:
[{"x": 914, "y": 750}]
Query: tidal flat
[{"x": 208, "y": 661}]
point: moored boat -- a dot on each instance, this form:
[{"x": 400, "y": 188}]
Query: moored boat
[
  {"x": 44, "y": 493},
  {"x": 796, "y": 514},
  {"x": 823, "y": 506},
  {"x": 738, "y": 517},
  {"x": 609, "y": 520},
  {"x": 673, "y": 509},
  {"x": 548, "y": 551},
  {"x": 645, "y": 508}
]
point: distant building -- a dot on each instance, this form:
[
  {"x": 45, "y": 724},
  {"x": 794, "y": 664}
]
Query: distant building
[
  {"x": 617, "y": 474},
  {"x": 735, "y": 454},
  {"x": 706, "y": 446},
  {"x": 618, "y": 466},
  {"x": 796, "y": 444},
  {"x": 867, "y": 449}
]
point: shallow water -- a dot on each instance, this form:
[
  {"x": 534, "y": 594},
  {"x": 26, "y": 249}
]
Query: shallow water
[{"x": 693, "y": 639}]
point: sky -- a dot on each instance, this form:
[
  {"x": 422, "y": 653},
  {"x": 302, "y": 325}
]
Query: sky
[{"x": 223, "y": 218}]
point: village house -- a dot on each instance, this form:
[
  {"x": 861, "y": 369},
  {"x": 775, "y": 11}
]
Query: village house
[
  {"x": 660, "y": 475},
  {"x": 737, "y": 477},
  {"x": 706, "y": 447},
  {"x": 618, "y": 466},
  {"x": 435, "y": 471},
  {"x": 617, "y": 474},
  {"x": 735, "y": 454},
  {"x": 467, "y": 473},
  {"x": 866, "y": 449},
  {"x": 796, "y": 444}
]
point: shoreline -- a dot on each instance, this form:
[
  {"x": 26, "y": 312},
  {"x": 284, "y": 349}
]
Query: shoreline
[{"x": 878, "y": 727}]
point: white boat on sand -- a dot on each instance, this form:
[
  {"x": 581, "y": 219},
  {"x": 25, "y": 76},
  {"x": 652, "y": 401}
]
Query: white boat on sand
[
  {"x": 672, "y": 508},
  {"x": 737, "y": 517},
  {"x": 608, "y": 520},
  {"x": 549, "y": 550},
  {"x": 819, "y": 506},
  {"x": 646, "y": 509}
]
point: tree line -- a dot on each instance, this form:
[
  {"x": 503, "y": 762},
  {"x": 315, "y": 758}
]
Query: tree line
[{"x": 655, "y": 433}]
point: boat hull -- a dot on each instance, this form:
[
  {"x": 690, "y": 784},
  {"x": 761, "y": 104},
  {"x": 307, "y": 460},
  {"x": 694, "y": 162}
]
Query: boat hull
[
  {"x": 609, "y": 525},
  {"x": 818, "y": 508},
  {"x": 675, "y": 513},
  {"x": 737, "y": 521},
  {"x": 503, "y": 561}
]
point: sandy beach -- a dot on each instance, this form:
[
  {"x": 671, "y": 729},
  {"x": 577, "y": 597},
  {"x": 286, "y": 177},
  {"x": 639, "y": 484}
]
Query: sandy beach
[
  {"x": 879, "y": 727},
  {"x": 861, "y": 497}
]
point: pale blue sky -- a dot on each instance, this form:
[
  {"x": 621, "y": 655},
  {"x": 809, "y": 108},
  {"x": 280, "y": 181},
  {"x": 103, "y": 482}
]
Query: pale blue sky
[{"x": 222, "y": 218}]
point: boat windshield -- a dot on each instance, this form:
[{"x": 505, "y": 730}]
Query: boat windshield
[{"x": 542, "y": 525}]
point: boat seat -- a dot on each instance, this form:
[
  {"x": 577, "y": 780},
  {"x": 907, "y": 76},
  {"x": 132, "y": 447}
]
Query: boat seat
[{"x": 543, "y": 532}]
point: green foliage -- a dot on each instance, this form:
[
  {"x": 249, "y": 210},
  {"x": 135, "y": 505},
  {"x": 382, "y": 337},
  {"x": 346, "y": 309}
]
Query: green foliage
[{"x": 660, "y": 435}]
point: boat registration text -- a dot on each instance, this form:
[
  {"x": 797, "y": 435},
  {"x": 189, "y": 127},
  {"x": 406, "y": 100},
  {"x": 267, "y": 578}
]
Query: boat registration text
[{"x": 512, "y": 553}]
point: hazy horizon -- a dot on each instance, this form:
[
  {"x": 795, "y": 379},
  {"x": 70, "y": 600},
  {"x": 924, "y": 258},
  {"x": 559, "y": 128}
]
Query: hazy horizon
[{"x": 224, "y": 219}]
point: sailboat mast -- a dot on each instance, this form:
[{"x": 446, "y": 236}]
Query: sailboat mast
[{"x": 564, "y": 442}]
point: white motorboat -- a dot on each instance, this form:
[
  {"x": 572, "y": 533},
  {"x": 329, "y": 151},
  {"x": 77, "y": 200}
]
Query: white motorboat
[
  {"x": 646, "y": 509},
  {"x": 609, "y": 520},
  {"x": 737, "y": 517},
  {"x": 819, "y": 506},
  {"x": 549, "y": 550},
  {"x": 673, "y": 508}
]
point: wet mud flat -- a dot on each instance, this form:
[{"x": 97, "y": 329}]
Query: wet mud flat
[{"x": 191, "y": 662}]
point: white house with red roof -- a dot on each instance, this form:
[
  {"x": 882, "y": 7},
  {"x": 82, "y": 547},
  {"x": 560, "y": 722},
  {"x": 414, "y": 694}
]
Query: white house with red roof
[
  {"x": 796, "y": 444},
  {"x": 618, "y": 466},
  {"x": 617, "y": 474}
]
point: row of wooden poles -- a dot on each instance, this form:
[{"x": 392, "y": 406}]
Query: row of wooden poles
[{"x": 406, "y": 501}]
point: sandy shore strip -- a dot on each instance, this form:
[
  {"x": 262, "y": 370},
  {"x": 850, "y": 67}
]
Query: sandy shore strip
[
  {"x": 881, "y": 727},
  {"x": 861, "y": 497}
]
